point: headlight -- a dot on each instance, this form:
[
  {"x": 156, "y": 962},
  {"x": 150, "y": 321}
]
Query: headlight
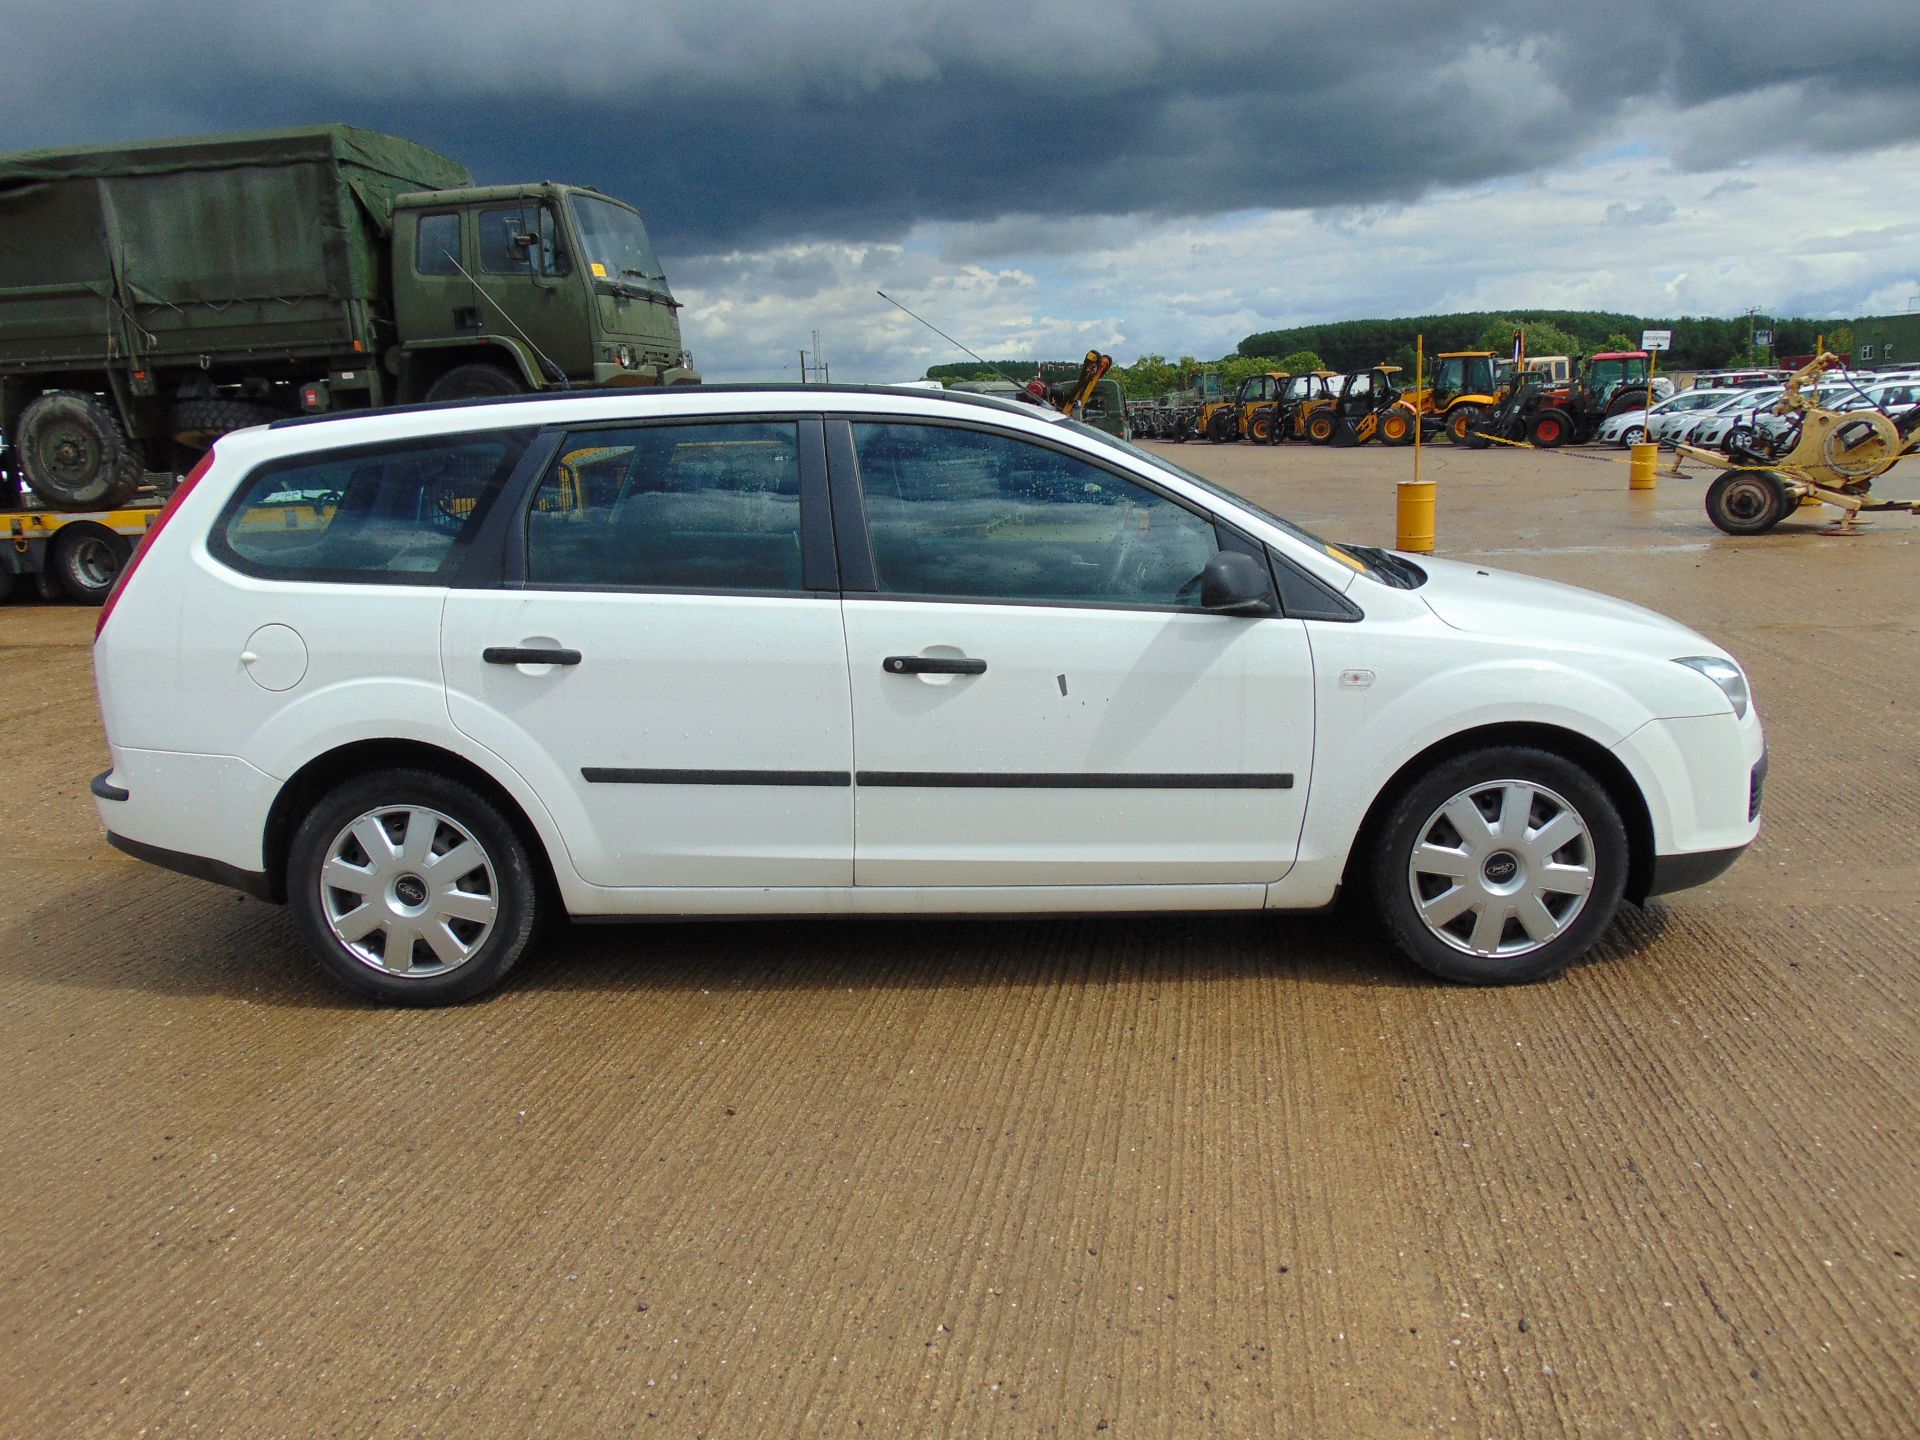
[
  {"x": 625, "y": 354},
  {"x": 1723, "y": 673}
]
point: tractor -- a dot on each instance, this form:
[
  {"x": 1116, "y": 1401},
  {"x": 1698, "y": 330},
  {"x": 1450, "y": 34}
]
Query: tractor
[
  {"x": 1535, "y": 409},
  {"x": 1284, "y": 418},
  {"x": 1367, "y": 405},
  {"x": 1462, "y": 388},
  {"x": 1224, "y": 420}
]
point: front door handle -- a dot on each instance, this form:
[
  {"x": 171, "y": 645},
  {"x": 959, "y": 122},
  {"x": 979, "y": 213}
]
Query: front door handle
[
  {"x": 528, "y": 655},
  {"x": 931, "y": 665}
]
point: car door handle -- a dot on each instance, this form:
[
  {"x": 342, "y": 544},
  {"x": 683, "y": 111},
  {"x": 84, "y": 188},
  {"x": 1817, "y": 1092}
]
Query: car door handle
[
  {"x": 931, "y": 665},
  {"x": 528, "y": 655}
]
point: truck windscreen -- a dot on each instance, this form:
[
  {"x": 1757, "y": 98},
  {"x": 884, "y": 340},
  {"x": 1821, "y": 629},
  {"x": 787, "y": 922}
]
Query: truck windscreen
[{"x": 616, "y": 242}]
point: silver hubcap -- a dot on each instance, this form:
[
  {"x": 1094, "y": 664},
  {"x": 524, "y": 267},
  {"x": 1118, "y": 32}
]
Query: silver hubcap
[
  {"x": 408, "y": 892},
  {"x": 1501, "y": 868}
]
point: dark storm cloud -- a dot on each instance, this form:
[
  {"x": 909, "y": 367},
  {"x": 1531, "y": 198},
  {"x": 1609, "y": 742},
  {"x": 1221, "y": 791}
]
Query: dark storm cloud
[{"x": 737, "y": 126}]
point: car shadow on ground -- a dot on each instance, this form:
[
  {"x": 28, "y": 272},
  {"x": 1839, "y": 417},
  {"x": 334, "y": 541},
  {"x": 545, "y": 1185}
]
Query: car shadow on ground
[{"x": 172, "y": 936}]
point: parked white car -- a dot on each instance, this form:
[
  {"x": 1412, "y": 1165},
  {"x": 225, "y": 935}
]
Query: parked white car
[
  {"x": 1630, "y": 427},
  {"x": 811, "y": 650}
]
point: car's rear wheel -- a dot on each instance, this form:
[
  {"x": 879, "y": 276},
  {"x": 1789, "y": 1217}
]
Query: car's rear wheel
[
  {"x": 1500, "y": 866},
  {"x": 412, "y": 888}
]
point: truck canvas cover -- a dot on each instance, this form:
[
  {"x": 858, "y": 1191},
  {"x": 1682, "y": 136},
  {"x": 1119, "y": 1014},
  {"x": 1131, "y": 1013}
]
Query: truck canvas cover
[{"x": 271, "y": 241}]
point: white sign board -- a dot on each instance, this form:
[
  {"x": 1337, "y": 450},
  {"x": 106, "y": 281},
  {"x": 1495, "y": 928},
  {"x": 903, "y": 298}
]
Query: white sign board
[
  {"x": 1656, "y": 339},
  {"x": 1763, "y": 337}
]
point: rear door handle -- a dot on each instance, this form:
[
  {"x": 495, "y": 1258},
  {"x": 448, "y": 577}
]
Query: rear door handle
[
  {"x": 528, "y": 655},
  {"x": 931, "y": 665}
]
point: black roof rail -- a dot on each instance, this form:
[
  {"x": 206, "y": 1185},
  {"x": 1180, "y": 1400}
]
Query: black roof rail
[{"x": 758, "y": 387}]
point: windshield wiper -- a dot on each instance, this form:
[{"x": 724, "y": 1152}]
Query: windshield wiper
[
  {"x": 641, "y": 292},
  {"x": 1387, "y": 567}
]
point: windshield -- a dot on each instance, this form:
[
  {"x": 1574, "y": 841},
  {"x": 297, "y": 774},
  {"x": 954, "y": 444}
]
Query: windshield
[
  {"x": 616, "y": 242},
  {"x": 1305, "y": 537}
]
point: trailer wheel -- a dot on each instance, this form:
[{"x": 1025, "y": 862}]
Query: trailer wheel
[
  {"x": 86, "y": 560},
  {"x": 1747, "y": 502},
  {"x": 473, "y": 382},
  {"x": 73, "y": 453},
  {"x": 198, "y": 423}
]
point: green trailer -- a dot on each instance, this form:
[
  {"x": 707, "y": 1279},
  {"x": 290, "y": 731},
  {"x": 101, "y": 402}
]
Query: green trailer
[{"x": 155, "y": 295}]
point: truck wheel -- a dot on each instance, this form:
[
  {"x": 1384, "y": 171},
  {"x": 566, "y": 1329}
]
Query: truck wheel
[
  {"x": 473, "y": 382},
  {"x": 1320, "y": 427},
  {"x": 86, "y": 560},
  {"x": 198, "y": 423},
  {"x": 1396, "y": 427},
  {"x": 1460, "y": 422},
  {"x": 1260, "y": 429},
  {"x": 1747, "y": 502},
  {"x": 73, "y": 453}
]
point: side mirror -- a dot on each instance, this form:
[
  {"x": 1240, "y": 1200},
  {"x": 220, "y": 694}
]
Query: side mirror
[{"x": 1234, "y": 583}]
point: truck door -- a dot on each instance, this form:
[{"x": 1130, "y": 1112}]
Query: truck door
[{"x": 527, "y": 272}]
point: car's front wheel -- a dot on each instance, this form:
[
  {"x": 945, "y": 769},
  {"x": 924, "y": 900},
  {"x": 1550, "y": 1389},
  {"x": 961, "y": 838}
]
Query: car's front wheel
[
  {"x": 412, "y": 888},
  {"x": 1500, "y": 866}
]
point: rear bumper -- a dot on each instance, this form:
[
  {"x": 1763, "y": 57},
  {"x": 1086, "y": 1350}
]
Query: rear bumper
[{"x": 249, "y": 882}]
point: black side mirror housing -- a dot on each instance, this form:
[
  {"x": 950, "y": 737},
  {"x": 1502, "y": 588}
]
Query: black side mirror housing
[{"x": 1235, "y": 583}]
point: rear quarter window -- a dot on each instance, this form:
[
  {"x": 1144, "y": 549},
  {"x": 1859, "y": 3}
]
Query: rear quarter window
[{"x": 400, "y": 514}]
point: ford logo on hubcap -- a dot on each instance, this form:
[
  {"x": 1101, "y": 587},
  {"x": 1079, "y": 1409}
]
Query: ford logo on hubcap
[{"x": 1501, "y": 868}]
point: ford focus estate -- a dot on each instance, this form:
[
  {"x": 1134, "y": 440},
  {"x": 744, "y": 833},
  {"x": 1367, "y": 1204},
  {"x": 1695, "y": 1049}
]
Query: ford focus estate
[{"x": 426, "y": 674}]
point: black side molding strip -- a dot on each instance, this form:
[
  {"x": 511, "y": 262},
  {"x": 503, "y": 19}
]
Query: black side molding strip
[
  {"x": 605, "y": 775},
  {"x": 101, "y": 790},
  {"x": 1007, "y": 780}
]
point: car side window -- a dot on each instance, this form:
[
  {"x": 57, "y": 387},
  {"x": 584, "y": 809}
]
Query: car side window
[
  {"x": 965, "y": 514},
  {"x": 436, "y": 248},
  {"x": 397, "y": 514},
  {"x": 670, "y": 507}
]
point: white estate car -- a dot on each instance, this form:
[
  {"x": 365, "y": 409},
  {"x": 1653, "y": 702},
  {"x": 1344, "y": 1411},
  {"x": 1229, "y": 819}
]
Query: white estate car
[{"x": 782, "y": 650}]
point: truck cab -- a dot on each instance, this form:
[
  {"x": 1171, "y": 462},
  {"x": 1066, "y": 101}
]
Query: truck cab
[{"x": 531, "y": 283}]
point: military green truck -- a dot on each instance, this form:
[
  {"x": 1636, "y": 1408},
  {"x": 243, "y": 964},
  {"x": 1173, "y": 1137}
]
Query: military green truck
[{"x": 155, "y": 295}]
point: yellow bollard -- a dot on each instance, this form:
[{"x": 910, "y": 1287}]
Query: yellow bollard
[
  {"x": 1413, "y": 517},
  {"x": 1642, "y": 473}
]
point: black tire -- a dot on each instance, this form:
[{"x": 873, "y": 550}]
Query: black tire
[
  {"x": 1397, "y": 426},
  {"x": 1738, "y": 440},
  {"x": 86, "y": 559},
  {"x": 1415, "y": 822},
  {"x": 473, "y": 382},
  {"x": 1549, "y": 430},
  {"x": 198, "y": 423},
  {"x": 1321, "y": 426},
  {"x": 1460, "y": 422},
  {"x": 1260, "y": 428},
  {"x": 458, "y": 814},
  {"x": 73, "y": 454},
  {"x": 1747, "y": 502},
  {"x": 1221, "y": 428}
]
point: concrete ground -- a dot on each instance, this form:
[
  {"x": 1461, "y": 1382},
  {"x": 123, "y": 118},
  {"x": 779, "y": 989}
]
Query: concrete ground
[{"x": 1239, "y": 1177}]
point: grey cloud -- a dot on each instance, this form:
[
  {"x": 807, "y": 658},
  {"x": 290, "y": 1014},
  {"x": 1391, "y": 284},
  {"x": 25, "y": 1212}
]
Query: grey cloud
[
  {"x": 1656, "y": 211},
  {"x": 737, "y": 126}
]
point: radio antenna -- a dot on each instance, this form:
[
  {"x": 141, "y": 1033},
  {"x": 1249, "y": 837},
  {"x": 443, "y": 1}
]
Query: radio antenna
[{"x": 951, "y": 341}]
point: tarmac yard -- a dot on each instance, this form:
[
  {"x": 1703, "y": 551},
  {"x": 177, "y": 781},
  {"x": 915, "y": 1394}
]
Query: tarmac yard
[{"x": 1188, "y": 1176}]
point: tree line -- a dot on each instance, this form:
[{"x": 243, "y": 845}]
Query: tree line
[{"x": 1699, "y": 342}]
